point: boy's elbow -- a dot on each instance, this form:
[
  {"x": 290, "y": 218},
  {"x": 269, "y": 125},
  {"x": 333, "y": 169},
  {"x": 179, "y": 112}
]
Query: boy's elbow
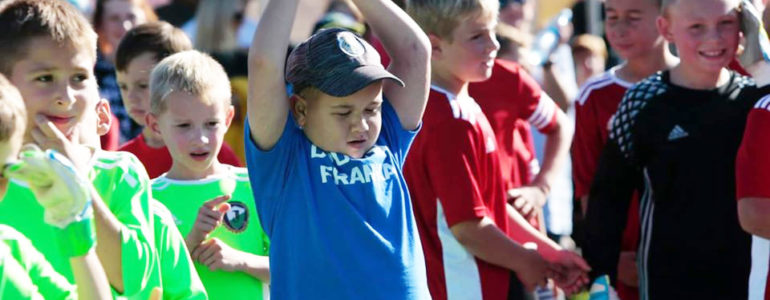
[
  {"x": 751, "y": 216},
  {"x": 261, "y": 62}
]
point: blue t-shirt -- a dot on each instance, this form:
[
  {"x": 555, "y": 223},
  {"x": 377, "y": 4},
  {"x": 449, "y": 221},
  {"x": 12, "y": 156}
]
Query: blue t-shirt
[{"x": 340, "y": 228}]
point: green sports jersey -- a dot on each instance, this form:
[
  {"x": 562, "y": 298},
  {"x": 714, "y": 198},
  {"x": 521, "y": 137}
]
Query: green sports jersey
[
  {"x": 179, "y": 278},
  {"x": 240, "y": 228},
  {"x": 25, "y": 273},
  {"x": 122, "y": 183}
]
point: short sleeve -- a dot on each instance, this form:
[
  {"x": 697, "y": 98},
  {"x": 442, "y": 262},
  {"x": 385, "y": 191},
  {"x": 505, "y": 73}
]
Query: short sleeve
[
  {"x": 538, "y": 108},
  {"x": 586, "y": 147},
  {"x": 753, "y": 161},
  {"x": 26, "y": 273},
  {"x": 180, "y": 279},
  {"x": 127, "y": 192},
  {"x": 456, "y": 171},
  {"x": 269, "y": 171},
  {"x": 393, "y": 133}
]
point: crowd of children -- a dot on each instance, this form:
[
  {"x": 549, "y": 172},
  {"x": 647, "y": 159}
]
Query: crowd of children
[{"x": 409, "y": 180}]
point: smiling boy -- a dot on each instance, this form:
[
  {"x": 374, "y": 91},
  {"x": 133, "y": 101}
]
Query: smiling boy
[{"x": 675, "y": 137}]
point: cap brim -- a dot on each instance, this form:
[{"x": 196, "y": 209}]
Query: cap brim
[{"x": 344, "y": 84}]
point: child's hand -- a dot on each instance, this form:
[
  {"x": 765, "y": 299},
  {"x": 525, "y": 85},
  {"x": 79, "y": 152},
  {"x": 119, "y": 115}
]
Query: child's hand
[
  {"x": 527, "y": 200},
  {"x": 216, "y": 255},
  {"x": 209, "y": 218},
  {"x": 47, "y": 136},
  {"x": 534, "y": 271},
  {"x": 571, "y": 271}
]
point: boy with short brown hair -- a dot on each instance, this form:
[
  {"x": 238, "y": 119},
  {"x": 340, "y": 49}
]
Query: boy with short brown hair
[{"x": 48, "y": 52}]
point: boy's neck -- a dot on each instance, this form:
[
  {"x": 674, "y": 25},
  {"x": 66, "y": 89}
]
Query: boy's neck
[
  {"x": 448, "y": 82},
  {"x": 638, "y": 68},
  {"x": 690, "y": 78},
  {"x": 151, "y": 139},
  {"x": 180, "y": 172}
]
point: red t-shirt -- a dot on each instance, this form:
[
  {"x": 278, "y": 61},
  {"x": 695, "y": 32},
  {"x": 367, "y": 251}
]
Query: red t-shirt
[
  {"x": 597, "y": 102},
  {"x": 752, "y": 171},
  {"x": 508, "y": 98},
  {"x": 158, "y": 161},
  {"x": 453, "y": 176}
]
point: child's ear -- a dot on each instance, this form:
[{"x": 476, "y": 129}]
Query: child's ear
[
  {"x": 664, "y": 28},
  {"x": 435, "y": 45},
  {"x": 229, "y": 115},
  {"x": 152, "y": 122},
  {"x": 299, "y": 107},
  {"x": 103, "y": 117}
]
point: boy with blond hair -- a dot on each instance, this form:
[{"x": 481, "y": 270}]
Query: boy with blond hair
[
  {"x": 631, "y": 31},
  {"x": 24, "y": 271},
  {"x": 328, "y": 180},
  {"x": 138, "y": 52},
  {"x": 48, "y": 51},
  {"x": 212, "y": 202},
  {"x": 454, "y": 172},
  {"x": 674, "y": 138}
]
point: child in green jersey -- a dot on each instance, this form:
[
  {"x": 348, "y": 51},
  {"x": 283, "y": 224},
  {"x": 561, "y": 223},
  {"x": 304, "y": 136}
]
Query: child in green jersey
[
  {"x": 48, "y": 51},
  {"x": 212, "y": 202},
  {"x": 24, "y": 272}
]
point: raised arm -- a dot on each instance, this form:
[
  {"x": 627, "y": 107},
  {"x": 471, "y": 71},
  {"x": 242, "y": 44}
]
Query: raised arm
[
  {"x": 409, "y": 50},
  {"x": 268, "y": 104}
]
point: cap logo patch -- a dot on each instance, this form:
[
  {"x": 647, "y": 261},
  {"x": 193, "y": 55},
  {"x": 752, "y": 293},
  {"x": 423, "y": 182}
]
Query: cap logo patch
[{"x": 350, "y": 45}]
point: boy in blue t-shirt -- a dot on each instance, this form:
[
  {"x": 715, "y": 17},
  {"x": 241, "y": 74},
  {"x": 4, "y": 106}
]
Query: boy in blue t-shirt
[{"x": 328, "y": 183}]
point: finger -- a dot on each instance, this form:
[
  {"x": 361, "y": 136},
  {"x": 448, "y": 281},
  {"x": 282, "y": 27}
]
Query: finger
[
  {"x": 209, "y": 251},
  {"x": 196, "y": 254},
  {"x": 211, "y": 260},
  {"x": 580, "y": 262},
  {"x": 156, "y": 294},
  {"x": 519, "y": 203},
  {"x": 211, "y": 204},
  {"x": 514, "y": 193},
  {"x": 223, "y": 208},
  {"x": 48, "y": 129}
]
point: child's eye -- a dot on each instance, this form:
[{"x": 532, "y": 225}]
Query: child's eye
[
  {"x": 143, "y": 86},
  {"x": 44, "y": 78},
  {"x": 123, "y": 87},
  {"x": 213, "y": 123},
  {"x": 79, "y": 78},
  {"x": 183, "y": 125},
  {"x": 342, "y": 114},
  {"x": 372, "y": 110}
]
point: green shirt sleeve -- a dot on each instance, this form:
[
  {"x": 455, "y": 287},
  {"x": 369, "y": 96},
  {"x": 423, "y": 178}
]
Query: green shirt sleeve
[
  {"x": 123, "y": 184},
  {"x": 24, "y": 272},
  {"x": 178, "y": 274}
]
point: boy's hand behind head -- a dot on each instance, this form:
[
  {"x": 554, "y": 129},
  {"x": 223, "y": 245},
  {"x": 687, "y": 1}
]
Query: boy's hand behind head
[{"x": 756, "y": 54}]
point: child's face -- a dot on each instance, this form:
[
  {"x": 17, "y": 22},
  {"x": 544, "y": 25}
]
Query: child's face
[
  {"x": 193, "y": 130},
  {"x": 470, "y": 55},
  {"x": 56, "y": 82},
  {"x": 134, "y": 85},
  {"x": 348, "y": 125},
  {"x": 119, "y": 17},
  {"x": 630, "y": 27},
  {"x": 705, "y": 32}
]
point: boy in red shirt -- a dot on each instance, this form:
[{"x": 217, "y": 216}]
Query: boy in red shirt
[{"x": 454, "y": 171}]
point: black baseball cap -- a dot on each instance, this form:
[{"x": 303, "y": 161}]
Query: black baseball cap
[{"x": 337, "y": 62}]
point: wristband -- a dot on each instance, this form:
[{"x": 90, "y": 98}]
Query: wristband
[{"x": 77, "y": 238}]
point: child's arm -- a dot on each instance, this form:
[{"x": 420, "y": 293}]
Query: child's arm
[
  {"x": 90, "y": 278},
  {"x": 485, "y": 240},
  {"x": 409, "y": 50},
  {"x": 574, "y": 267},
  {"x": 557, "y": 148},
  {"x": 217, "y": 255},
  {"x": 268, "y": 104},
  {"x": 209, "y": 217}
]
